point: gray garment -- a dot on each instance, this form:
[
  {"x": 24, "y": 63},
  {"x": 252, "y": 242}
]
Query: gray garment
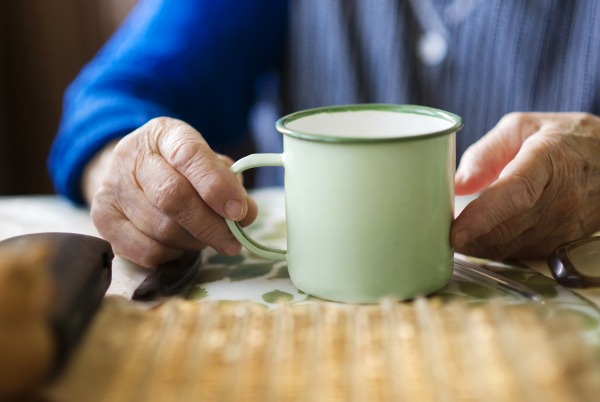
[{"x": 503, "y": 56}]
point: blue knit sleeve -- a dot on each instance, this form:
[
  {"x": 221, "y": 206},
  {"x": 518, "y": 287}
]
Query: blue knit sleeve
[{"x": 195, "y": 60}]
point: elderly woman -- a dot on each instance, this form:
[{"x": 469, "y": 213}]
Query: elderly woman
[{"x": 143, "y": 121}]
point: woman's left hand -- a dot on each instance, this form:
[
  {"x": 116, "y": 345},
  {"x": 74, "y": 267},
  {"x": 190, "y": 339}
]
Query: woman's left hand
[{"x": 543, "y": 173}]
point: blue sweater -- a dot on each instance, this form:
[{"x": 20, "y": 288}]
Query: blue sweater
[
  {"x": 198, "y": 60},
  {"x": 194, "y": 60}
]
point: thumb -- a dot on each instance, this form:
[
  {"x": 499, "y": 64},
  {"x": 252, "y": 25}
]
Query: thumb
[{"x": 482, "y": 162}]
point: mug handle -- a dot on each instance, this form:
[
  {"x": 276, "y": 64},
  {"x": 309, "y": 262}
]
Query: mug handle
[{"x": 248, "y": 162}]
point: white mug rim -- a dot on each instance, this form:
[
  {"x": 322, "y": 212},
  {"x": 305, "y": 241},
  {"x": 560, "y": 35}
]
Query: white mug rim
[{"x": 283, "y": 128}]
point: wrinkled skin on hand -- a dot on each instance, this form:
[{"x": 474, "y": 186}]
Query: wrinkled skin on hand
[
  {"x": 165, "y": 192},
  {"x": 543, "y": 173}
]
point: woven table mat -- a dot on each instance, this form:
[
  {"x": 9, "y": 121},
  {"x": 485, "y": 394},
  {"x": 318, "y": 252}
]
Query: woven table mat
[{"x": 419, "y": 351}]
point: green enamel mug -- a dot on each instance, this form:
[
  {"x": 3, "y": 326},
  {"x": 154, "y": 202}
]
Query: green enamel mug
[{"x": 369, "y": 200}]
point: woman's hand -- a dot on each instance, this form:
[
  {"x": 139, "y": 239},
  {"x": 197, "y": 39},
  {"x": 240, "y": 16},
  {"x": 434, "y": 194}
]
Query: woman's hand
[
  {"x": 165, "y": 191},
  {"x": 543, "y": 173}
]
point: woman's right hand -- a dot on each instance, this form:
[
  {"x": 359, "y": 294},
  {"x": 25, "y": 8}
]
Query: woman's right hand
[{"x": 165, "y": 191}]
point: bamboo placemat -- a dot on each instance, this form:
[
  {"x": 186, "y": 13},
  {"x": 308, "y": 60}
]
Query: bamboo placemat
[{"x": 420, "y": 351}]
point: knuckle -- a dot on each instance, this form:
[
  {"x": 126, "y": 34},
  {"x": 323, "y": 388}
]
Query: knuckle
[
  {"x": 584, "y": 117},
  {"x": 124, "y": 143},
  {"x": 520, "y": 124},
  {"x": 514, "y": 118},
  {"x": 167, "y": 231},
  {"x": 161, "y": 127},
  {"x": 500, "y": 234},
  {"x": 123, "y": 148},
  {"x": 166, "y": 196},
  {"x": 160, "y": 122},
  {"x": 183, "y": 153},
  {"x": 490, "y": 216},
  {"x": 586, "y": 122},
  {"x": 549, "y": 140},
  {"x": 523, "y": 194},
  {"x": 213, "y": 185}
]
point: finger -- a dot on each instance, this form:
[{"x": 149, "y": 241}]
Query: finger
[
  {"x": 526, "y": 245},
  {"x": 173, "y": 195},
  {"x": 229, "y": 163},
  {"x": 153, "y": 223},
  {"x": 498, "y": 252},
  {"x": 517, "y": 190},
  {"x": 509, "y": 229},
  {"x": 252, "y": 212},
  {"x": 129, "y": 242},
  {"x": 187, "y": 152},
  {"x": 483, "y": 161}
]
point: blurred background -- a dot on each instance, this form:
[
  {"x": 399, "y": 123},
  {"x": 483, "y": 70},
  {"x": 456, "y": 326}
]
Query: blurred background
[{"x": 43, "y": 45}]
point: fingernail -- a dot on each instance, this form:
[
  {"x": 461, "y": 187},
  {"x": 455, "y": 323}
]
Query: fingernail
[
  {"x": 233, "y": 247},
  {"x": 234, "y": 209},
  {"x": 462, "y": 237}
]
